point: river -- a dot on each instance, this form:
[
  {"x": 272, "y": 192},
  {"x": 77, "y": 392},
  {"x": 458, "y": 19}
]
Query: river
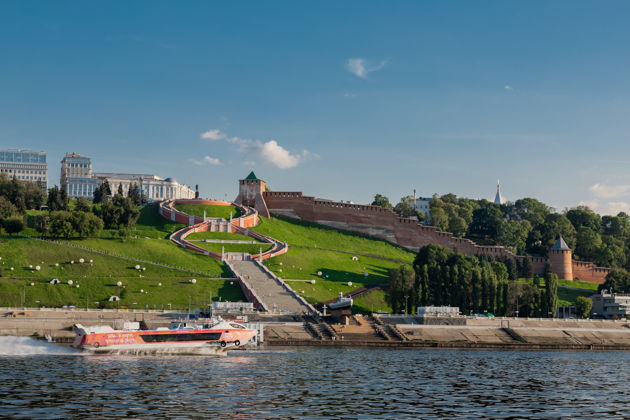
[{"x": 40, "y": 380}]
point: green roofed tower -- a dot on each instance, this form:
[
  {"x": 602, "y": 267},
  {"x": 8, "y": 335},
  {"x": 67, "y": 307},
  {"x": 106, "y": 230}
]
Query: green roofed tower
[{"x": 250, "y": 193}]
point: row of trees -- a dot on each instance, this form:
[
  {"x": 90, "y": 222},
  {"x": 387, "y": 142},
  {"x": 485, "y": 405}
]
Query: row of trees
[
  {"x": 528, "y": 226},
  {"x": 442, "y": 277},
  {"x": 65, "y": 224},
  {"x": 103, "y": 193}
]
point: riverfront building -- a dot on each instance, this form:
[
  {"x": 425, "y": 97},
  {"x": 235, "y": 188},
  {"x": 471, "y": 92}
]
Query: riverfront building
[
  {"x": 423, "y": 205},
  {"x": 25, "y": 165}
]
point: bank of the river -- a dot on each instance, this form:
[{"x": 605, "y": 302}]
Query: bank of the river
[{"x": 368, "y": 331}]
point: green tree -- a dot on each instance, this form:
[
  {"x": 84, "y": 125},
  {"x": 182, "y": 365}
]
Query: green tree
[
  {"x": 583, "y": 306},
  {"x": 381, "y": 201},
  {"x": 405, "y": 208},
  {"x": 13, "y": 224},
  {"x": 401, "y": 283},
  {"x": 588, "y": 243},
  {"x": 120, "y": 189},
  {"x": 551, "y": 293},
  {"x": 82, "y": 205},
  {"x": 7, "y": 209},
  {"x": 617, "y": 281}
]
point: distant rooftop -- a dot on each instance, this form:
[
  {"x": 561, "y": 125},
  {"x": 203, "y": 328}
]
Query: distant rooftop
[
  {"x": 252, "y": 177},
  {"x": 560, "y": 245}
]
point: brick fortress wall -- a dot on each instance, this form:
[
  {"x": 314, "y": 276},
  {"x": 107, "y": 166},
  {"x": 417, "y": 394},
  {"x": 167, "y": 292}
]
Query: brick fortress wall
[{"x": 384, "y": 224}]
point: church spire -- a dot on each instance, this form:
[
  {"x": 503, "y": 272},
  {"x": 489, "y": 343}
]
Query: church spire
[{"x": 498, "y": 199}]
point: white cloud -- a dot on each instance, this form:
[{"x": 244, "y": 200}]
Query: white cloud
[
  {"x": 611, "y": 208},
  {"x": 609, "y": 191},
  {"x": 214, "y": 134},
  {"x": 508, "y": 87},
  {"x": 270, "y": 151},
  {"x": 207, "y": 160},
  {"x": 277, "y": 155},
  {"x": 361, "y": 68}
]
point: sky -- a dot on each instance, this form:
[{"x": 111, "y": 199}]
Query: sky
[{"x": 341, "y": 100}]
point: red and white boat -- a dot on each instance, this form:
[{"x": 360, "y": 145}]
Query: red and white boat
[{"x": 212, "y": 338}]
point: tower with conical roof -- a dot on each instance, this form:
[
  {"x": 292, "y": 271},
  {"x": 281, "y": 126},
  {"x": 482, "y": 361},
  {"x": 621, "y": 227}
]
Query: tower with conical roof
[
  {"x": 499, "y": 199},
  {"x": 250, "y": 193},
  {"x": 561, "y": 259}
]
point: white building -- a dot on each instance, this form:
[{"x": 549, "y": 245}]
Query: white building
[
  {"x": 153, "y": 187},
  {"x": 423, "y": 205}
]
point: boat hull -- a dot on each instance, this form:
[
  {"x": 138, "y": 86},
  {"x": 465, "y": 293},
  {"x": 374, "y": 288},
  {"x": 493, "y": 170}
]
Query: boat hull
[{"x": 184, "y": 349}]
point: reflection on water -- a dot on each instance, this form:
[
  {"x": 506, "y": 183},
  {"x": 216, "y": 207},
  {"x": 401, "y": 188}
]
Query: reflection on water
[{"x": 320, "y": 383}]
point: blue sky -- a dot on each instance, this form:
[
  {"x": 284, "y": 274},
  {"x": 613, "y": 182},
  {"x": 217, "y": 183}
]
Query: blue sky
[{"x": 340, "y": 100}]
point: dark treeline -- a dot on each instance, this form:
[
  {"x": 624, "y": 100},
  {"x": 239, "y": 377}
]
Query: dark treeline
[
  {"x": 442, "y": 277},
  {"x": 528, "y": 226}
]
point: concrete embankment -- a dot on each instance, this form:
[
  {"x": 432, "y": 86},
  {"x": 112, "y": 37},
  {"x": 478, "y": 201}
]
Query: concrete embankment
[
  {"x": 498, "y": 333},
  {"x": 390, "y": 332}
]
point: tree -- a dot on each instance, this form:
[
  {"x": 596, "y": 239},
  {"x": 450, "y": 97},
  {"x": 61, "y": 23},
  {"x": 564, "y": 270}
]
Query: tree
[
  {"x": 405, "y": 208},
  {"x": 135, "y": 196},
  {"x": 487, "y": 221},
  {"x": 583, "y": 306},
  {"x": 588, "y": 243},
  {"x": 582, "y": 216},
  {"x": 401, "y": 282},
  {"x": 617, "y": 281},
  {"x": 7, "y": 209},
  {"x": 13, "y": 224},
  {"x": 82, "y": 205},
  {"x": 551, "y": 294},
  {"x": 42, "y": 224},
  {"x": 120, "y": 189},
  {"x": 381, "y": 201},
  {"x": 60, "y": 224}
]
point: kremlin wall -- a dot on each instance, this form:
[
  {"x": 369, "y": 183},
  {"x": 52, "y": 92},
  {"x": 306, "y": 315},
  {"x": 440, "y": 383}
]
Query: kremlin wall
[{"x": 384, "y": 224}]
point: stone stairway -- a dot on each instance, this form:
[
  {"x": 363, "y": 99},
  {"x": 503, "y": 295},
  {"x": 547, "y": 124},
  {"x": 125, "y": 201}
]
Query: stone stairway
[{"x": 270, "y": 291}]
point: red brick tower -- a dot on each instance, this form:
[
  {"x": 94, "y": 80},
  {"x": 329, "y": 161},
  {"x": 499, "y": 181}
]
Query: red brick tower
[
  {"x": 561, "y": 259},
  {"x": 250, "y": 193}
]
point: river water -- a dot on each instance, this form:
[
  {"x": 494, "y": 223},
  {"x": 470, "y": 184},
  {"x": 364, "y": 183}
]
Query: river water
[{"x": 40, "y": 380}]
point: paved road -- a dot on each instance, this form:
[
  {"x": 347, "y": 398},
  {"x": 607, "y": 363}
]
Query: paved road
[{"x": 268, "y": 289}]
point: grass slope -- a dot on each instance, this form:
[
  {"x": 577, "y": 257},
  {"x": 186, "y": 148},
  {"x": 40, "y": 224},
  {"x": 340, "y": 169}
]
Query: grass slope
[
  {"x": 159, "y": 251},
  {"x": 211, "y": 211},
  {"x": 97, "y": 280}
]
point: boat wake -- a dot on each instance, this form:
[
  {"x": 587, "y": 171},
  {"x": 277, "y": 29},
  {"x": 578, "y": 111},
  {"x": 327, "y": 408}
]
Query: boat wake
[{"x": 25, "y": 346}]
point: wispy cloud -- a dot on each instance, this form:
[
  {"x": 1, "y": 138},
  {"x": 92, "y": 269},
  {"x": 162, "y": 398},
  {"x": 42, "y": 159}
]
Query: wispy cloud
[
  {"x": 607, "y": 208},
  {"x": 271, "y": 151},
  {"x": 508, "y": 87},
  {"x": 214, "y": 134},
  {"x": 609, "y": 191},
  {"x": 361, "y": 68},
  {"x": 207, "y": 160}
]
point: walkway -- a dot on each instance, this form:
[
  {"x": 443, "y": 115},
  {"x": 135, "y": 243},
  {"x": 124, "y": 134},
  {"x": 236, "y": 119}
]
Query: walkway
[
  {"x": 263, "y": 288},
  {"x": 274, "y": 295}
]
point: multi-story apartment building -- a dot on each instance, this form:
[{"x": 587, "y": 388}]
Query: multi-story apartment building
[
  {"x": 25, "y": 165},
  {"x": 77, "y": 177}
]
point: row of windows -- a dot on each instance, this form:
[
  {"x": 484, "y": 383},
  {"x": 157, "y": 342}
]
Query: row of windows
[
  {"x": 23, "y": 171},
  {"x": 22, "y": 157}
]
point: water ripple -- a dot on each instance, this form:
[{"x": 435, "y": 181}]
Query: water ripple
[{"x": 320, "y": 383}]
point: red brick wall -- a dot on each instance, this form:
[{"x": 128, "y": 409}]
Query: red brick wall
[{"x": 385, "y": 224}]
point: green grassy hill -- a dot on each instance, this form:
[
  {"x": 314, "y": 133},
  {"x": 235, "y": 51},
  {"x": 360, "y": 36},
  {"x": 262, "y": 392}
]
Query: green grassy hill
[{"x": 97, "y": 279}]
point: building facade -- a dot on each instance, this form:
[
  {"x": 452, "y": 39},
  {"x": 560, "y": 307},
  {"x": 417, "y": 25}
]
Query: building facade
[
  {"x": 152, "y": 187},
  {"x": 611, "y": 305},
  {"x": 25, "y": 165},
  {"x": 423, "y": 205},
  {"x": 77, "y": 177}
]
